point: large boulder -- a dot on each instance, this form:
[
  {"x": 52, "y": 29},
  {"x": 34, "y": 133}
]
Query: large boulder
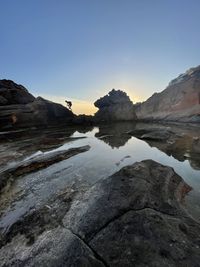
[
  {"x": 180, "y": 101},
  {"x": 116, "y": 106},
  {"x": 18, "y": 108}
]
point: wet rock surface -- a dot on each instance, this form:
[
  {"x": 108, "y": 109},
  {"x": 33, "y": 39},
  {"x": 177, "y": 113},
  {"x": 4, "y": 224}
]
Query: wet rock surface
[
  {"x": 58, "y": 247},
  {"x": 116, "y": 106},
  {"x": 134, "y": 217},
  {"x": 37, "y": 163}
]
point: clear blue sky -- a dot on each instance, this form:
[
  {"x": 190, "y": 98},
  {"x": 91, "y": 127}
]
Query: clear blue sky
[{"x": 82, "y": 48}]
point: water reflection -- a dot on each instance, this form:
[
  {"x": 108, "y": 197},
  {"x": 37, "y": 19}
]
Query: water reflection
[
  {"x": 183, "y": 145},
  {"x": 112, "y": 147},
  {"x": 115, "y": 135}
]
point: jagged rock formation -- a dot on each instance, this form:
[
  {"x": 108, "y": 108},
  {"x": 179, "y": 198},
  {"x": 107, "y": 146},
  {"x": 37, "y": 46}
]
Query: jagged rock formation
[
  {"x": 180, "y": 101},
  {"x": 18, "y": 108},
  {"x": 116, "y": 106},
  {"x": 136, "y": 217}
]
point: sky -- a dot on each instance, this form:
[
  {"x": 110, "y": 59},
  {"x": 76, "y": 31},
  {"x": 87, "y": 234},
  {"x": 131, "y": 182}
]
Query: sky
[{"x": 80, "y": 49}]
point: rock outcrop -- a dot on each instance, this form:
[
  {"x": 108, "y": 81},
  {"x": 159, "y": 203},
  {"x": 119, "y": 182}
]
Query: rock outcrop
[
  {"x": 18, "y": 108},
  {"x": 136, "y": 217},
  {"x": 12, "y": 93},
  {"x": 180, "y": 101},
  {"x": 116, "y": 106}
]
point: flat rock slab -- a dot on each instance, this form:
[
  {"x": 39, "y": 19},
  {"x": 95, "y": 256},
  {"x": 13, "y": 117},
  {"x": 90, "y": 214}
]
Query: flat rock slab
[
  {"x": 55, "y": 248},
  {"x": 152, "y": 134},
  {"x": 37, "y": 163},
  {"x": 136, "y": 217}
]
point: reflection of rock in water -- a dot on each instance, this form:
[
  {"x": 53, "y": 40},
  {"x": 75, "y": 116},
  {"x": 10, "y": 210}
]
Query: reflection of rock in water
[
  {"x": 85, "y": 129},
  {"x": 115, "y": 135},
  {"x": 180, "y": 142},
  {"x": 19, "y": 144}
]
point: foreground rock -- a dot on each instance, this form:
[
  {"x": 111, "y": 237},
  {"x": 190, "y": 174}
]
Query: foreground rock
[
  {"x": 37, "y": 163},
  {"x": 180, "y": 101},
  {"x": 135, "y": 217},
  {"x": 18, "y": 108},
  {"x": 58, "y": 247},
  {"x": 116, "y": 106}
]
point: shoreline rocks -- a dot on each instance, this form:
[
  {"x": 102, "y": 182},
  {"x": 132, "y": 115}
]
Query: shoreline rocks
[{"x": 136, "y": 217}]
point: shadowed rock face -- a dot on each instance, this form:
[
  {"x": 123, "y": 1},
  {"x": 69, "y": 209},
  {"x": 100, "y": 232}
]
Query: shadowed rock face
[
  {"x": 116, "y": 106},
  {"x": 12, "y": 93},
  {"x": 180, "y": 101},
  {"x": 18, "y": 108}
]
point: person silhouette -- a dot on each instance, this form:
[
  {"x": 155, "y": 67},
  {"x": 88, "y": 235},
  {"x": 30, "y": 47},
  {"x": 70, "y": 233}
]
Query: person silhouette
[{"x": 69, "y": 104}]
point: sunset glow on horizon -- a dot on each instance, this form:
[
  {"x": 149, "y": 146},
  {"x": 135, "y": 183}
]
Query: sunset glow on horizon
[{"x": 135, "y": 46}]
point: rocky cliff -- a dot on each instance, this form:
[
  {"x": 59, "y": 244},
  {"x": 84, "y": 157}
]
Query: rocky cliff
[
  {"x": 18, "y": 108},
  {"x": 180, "y": 101},
  {"x": 116, "y": 106}
]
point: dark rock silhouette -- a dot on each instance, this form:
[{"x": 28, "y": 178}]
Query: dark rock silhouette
[
  {"x": 116, "y": 106},
  {"x": 180, "y": 101},
  {"x": 12, "y": 93},
  {"x": 18, "y": 108}
]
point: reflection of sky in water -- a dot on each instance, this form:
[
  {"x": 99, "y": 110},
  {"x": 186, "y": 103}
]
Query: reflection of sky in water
[
  {"x": 102, "y": 154},
  {"x": 99, "y": 162}
]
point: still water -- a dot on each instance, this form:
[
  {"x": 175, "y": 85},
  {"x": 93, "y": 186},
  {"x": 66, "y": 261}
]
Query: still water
[{"x": 111, "y": 148}]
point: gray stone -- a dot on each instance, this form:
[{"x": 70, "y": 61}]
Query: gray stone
[
  {"x": 57, "y": 247},
  {"x": 136, "y": 218}
]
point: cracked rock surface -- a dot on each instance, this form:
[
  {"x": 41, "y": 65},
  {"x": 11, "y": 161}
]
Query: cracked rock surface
[{"x": 136, "y": 217}]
